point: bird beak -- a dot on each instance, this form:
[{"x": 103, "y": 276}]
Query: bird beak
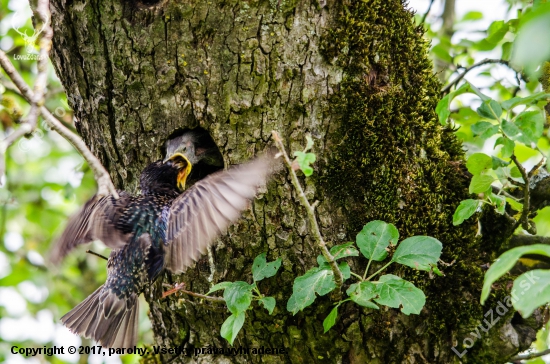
[{"x": 183, "y": 165}]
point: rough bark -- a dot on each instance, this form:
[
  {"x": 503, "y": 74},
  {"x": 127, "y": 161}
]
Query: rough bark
[{"x": 353, "y": 74}]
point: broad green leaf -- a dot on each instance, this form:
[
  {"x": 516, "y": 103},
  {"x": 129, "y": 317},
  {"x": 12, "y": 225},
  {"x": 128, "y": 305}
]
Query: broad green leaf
[
  {"x": 318, "y": 280},
  {"x": 219, "y": 286},
  {"x": 472, "y": 16},
  {"x": 481, "y": 127},
  {"x": 499, "y": 202},
  {"x": 268, "y": 303},
  {"x": 232, "y": 326},
  {"x": 442, "y": 52},
  {"x": 465, "y": 210},
  {"x": 304, "y": 160},
  {"x": 509, "y": 128},
  {"x": 490, "y": 132},
  {"x": 507, "y": 146},
  {"x": 375, "y": 237},
  {"x": 476, "y": 91},
  {"x": 330, "y": 320},
  {"x": 480, "y": 183},
  {"x": 262, "y": 269},
  {"x": 418, "y": 252},
  {"x": 363, "y": 293},
  {"x": 399, "y": 293},
  {"x": 497, "y": 163},
  {"x": 443, "y": 108},
  {"x": 515, "y": 173},
  {"x": 531, "y": 99},
  {"x": 238, "y": 296},
  {"x": 344, "y": 250},
  {"x": 514, "y": 204},
  {"x": 531, "y": 124},
  {"x": 530, "y": 291},
  {"x": 506, "y": 261},
  {"x": 506, "y": 53},
  {"x": 490, "y": 109},
  {"x": 479, "y": 162}
]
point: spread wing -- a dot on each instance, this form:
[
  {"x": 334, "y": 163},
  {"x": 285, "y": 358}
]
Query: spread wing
[
  {"x": 207, "y": 208},
  {"x": 97, "y": 220}
]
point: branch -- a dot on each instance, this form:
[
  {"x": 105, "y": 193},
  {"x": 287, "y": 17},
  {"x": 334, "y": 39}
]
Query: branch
[
  {"x": 339, "y": 279},
  {"x": 522, "y": 240},
  {"x": 427, "y": 12},
  {"x": 178, "y": 287},
  {"x": 447, "y": 88},
  {"x": 104, "y": 184},
  {"x": 524, "y": 219},
  {"x": 518, "y": 358}
]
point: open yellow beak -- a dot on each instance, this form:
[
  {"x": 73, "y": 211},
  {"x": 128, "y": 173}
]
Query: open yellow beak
[{"x": 184, "y": 166}]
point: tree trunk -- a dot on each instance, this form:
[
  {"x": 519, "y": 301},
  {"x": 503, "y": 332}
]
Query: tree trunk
[{"x": 354, "y": 75}]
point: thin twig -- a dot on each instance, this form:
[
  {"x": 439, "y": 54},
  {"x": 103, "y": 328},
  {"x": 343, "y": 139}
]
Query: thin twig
[
  {"x": 338, "y": 278},
  {"x": 178, "y": 287},
  {"x": 447, "y": 88},
  {"x": 96, "y": 254},
  {"x": 518, "y": 358},
  {"x": 524, "y": 219},
  {"x": 104, "y": 184},
  {"x": 427, "y": 12}
]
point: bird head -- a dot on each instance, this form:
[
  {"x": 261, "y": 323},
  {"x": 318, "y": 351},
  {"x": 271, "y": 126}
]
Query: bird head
[{"x": 181, "y": 162}]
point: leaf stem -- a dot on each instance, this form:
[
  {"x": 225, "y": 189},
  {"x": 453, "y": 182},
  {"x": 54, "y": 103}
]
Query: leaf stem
[
  {"x": 338, "y": 277},
  {"x": 380, "y": 270},
  {"x": 357, "y": 276}
]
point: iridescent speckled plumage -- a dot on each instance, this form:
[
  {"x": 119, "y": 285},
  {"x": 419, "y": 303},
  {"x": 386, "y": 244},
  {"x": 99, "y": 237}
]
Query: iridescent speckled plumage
[{"x": 159, "y": 229}]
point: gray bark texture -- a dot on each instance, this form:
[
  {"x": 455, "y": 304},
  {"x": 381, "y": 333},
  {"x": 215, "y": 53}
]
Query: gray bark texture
[{"x": 355, "y": 75}]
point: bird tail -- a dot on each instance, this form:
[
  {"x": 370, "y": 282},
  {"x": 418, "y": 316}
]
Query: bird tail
[{"x": 105, "y": 318}]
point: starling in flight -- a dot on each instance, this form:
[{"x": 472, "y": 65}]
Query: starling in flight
[{"x": 161, "y": 228}]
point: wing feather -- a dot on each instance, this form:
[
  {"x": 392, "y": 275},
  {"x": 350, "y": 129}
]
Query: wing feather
[
  {"x": 95, "y": 221},
  {"x": 207, "y": 209}
]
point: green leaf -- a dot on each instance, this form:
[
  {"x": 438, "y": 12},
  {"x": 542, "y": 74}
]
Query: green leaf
[
  {"x": 480, "y": 183},
  {"x": 531, "y": 124},
  {"x": 481, "y": 127},
  {"x": 514, "y": 204},
  {"x": 330, "y": 320},
  {"x": 375, "y": 237},
  {"x": 304, "y": 160},
  {"x": 490, "y": 109},
  {"x": 362, "y": 294},
  {"x": 515, "y": 173},
  {"x": 442, "y": 52},
  {"x": 268, "y": 303},
  {"x": 530, "y": 291},
  {"x": 506, "y": 53},
  {"x": 506, "y": 261},
  {"x": 232, "y": 326},
  {"x": 529, "y": 100},
  {"x": 476, "y": 91},
  {"x": 490, "y": 132},
  {"x": 318, "y": 280},
  {"x": 344, "y": 250},
  {"x": 219, "y": 286},
  {"x": 479, "y": 162},
  {"x": 262, "y": 269},
  {"x": 238, "y": 296},
  {"x": 418, "y": 252},
  {"x": 499, "y": 202},
  {"x": 510, "y": 129},
  {"x": 443, "y": 108},
  {"x": 399, "y": 293},
  {"x": 465, "y": 210},
  {"x": 497, "y": 163},
  {"x": 507, "y": 146},
  {"x": 472, "y": 16}
]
